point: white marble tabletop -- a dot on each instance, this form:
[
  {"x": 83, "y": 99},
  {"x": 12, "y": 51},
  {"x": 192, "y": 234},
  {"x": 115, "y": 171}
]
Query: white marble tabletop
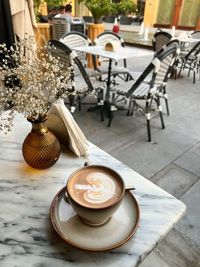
[
  {"x": 27, "y": 237},
  {"x": 121, "y": 53}
]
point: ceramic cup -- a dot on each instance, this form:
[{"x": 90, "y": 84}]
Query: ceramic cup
[{"x": 95, "y": 192}]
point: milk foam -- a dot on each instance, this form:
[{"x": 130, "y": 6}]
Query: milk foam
[{"x": 100, "y": 188}]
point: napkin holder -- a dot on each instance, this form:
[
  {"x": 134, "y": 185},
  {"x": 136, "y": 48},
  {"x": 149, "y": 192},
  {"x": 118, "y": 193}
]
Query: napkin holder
[
  {"x": 112, "y": 46},
  {"x": 62, "y": 124}
]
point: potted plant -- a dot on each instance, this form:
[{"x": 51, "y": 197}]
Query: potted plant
[
  {"x": 125, "y": 10},
  {"x": 125, "y": 7},
  {"x": 98, "y": 8}
]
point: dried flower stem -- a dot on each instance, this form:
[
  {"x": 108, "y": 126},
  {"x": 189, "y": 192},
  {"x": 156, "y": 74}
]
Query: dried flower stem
[{"x": 31, "y": 83}]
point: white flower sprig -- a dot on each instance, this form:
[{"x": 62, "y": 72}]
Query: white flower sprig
[{"x": 32, "y": 80}]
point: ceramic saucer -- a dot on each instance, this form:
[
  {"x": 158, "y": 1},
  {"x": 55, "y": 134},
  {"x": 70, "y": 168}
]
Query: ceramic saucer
[{"x": 118, "y": 230}]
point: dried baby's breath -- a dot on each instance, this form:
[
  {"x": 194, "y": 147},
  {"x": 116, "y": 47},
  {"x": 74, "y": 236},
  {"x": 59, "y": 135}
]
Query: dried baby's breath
[{"x": 31, "y": 83}]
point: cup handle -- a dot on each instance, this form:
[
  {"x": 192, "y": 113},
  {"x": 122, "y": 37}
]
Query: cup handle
[
  {"x": 87, "y": 163},
  {"x": 130, "y": 188},
  {"x": 66, "y": 198}
]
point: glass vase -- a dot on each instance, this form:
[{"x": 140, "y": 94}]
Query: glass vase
[{"x": 41, "y": 148}]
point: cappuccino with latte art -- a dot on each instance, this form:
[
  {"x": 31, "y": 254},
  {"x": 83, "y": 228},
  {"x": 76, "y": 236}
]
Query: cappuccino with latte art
[
  {"x": 95, "y": 192},
  {"x": 94, "y": 189}
]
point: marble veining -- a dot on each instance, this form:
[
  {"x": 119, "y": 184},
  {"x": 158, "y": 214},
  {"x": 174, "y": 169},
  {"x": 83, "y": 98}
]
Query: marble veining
[{"x": 26, "y": 235}]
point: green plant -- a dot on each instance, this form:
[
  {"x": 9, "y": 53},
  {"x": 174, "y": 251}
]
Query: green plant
[
  {"x": 98, "y": 8},
  {"x": 125, "y": 7},
  {"x": 50, "y": 3},
  {"x": 54, "y": 3}
]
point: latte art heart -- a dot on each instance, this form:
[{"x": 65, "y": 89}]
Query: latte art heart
[{"x": 99, "y": 188}]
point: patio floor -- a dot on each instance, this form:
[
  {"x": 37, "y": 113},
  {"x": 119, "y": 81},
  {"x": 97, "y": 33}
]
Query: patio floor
[{"x": 171, "y": 160}]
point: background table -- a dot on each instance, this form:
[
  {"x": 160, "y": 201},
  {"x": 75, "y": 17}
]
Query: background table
[
  {"x": 121, "y": 53},
  {"x": 26, "y": 235}
]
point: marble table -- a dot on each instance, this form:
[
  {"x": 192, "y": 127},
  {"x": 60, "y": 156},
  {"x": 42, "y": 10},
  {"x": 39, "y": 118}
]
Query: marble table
[
  {"x": 121, "y": 53},
  {"x": 27, "y": 237}
]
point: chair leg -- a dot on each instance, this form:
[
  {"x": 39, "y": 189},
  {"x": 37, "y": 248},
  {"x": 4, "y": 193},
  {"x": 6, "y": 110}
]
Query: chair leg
[
  {"x": 189, "y": 71},
  {"x": 194, "y": 74},
  {"x": 79, "y": 102},
  {"x": 110, "y": 114},
  {"x": 167, "y": 106},
  {"x": 110, "y": 119},
  {"x": 134, "y": 107},
  {"x": 160, "y": 112},
  {"x": 101, "y": 103},
  {"x": 166, "y": 100},
  {"x": 162, "y": 120},
  {"x": 72, "y": 100},
  {"x": 110, "y": 108},
  {"x": 129, "y": 108},
  {"x": 148, "y": 127},
  {"x": 148, "y": 117},
  {"x": 181, "y": 68},
  {"x": 179, "y": 74},
  {"x": 101, "y": 112},
  {"x": 173, "y": 73}
]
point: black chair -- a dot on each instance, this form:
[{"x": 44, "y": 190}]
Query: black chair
[
  {"x": 117, "y": 71},
  {"x": 160, "y": 39},
  {"x": 109, "y": 19},
  {"x": 195, "y": 35},
  {"x": 172, "y": 73},
  {"x": 77, "y": 39},
  {"x": 124, "y": 20},
  {"x": 137, "y": 91},
  {"x": 191, "y": 60},
  {"x": 88, "y": 19},
  {"x": 82, "y": 85}
]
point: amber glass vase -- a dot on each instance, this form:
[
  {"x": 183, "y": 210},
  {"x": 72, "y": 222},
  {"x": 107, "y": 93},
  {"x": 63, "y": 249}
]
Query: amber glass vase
[{"x": 41, "y": 148}]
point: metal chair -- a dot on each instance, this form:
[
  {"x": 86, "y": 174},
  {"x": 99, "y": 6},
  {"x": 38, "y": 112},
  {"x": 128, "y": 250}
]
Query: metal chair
[
  {"x": 109, "y": 19},
  {"x": 88, "y": 19},
  {"x": 66, "y": 24},
  {"x": 171, "y": 73},
  {"x": 124, "y": 20},
  {"x": 137, "y": 91},
  {"x": 160, "y": 39},
  {"x": 77, "y": 39},
  {"x": 191, "y": 61},
  {"x": 117, "y": 71},
  {"x": 82, "y": 85},
  {"x": 195, "y": 35}
]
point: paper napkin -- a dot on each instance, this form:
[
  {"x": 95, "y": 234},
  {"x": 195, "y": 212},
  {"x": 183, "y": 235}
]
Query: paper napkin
[{"x": 62, "y": 124}]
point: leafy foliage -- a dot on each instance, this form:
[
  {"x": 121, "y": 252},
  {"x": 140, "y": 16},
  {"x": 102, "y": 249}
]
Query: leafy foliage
[
  {"x": 50, "y": 3},
  {"x": 125, "y": 7},
  {"x": 98, "y": 8}
]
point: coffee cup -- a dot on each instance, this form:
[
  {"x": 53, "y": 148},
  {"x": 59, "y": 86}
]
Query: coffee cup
[{"x": 95, "y": 192}]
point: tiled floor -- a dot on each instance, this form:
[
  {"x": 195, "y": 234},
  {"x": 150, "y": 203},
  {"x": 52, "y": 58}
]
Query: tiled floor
[{"x": 171, "y": 160}]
